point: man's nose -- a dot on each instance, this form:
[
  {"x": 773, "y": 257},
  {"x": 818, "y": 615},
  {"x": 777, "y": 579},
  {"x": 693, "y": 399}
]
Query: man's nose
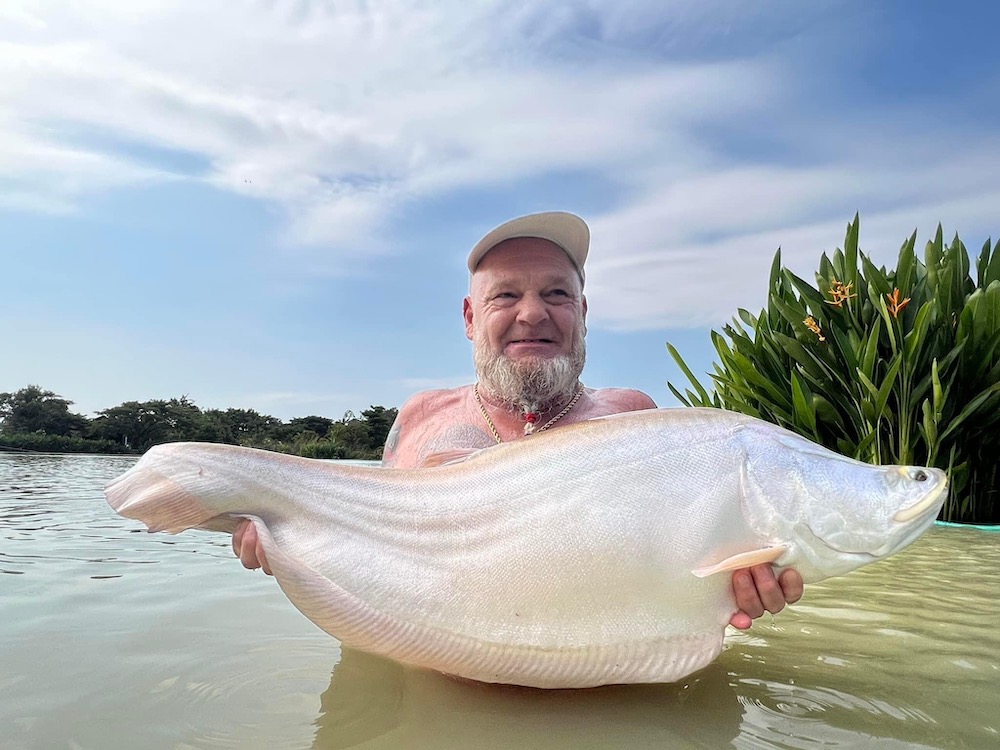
[{"x": 531, "y": 310}]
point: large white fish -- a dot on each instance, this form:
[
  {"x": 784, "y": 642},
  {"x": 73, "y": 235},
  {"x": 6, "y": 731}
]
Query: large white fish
[{"x": 593, "y": 554}]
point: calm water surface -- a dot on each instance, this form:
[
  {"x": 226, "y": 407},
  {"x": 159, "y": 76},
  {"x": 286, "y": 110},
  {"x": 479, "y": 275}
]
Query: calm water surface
[{"x": 111, "y": 637}]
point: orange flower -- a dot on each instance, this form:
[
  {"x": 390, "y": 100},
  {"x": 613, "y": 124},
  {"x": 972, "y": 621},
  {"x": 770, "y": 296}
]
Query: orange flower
[
  {"x": 813, "y": 326},
  {"x": 841, "y": 293},
  {"x": 895, "y": 306}
]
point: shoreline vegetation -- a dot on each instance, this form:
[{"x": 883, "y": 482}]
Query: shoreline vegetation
[{"x": 35, "y": 420}]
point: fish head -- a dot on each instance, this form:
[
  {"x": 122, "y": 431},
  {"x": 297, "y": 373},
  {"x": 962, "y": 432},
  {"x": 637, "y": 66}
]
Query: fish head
[{"x": 834, "y": 513}]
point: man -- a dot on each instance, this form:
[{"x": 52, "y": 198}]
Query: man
[{"x": 526, "y": 317}]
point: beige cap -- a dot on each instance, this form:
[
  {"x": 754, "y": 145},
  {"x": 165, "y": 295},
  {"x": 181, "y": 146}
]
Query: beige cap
[{"x": 566, "y": 230}]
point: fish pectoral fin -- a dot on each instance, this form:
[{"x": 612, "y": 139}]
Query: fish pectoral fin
[
  {"x": 743, "y": 560},
  {"x": 447, "y": 458}
]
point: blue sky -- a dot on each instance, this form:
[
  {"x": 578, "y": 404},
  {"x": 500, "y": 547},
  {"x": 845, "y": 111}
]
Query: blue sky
[{"x": 268, "y": 204}]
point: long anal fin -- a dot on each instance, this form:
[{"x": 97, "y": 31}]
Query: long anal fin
[{"x": 743, "y": 560}]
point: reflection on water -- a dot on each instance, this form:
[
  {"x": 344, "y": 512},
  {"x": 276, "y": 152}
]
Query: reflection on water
[
  {"x": 375, "y": 703},
  {"x": 114, "y": 638}
]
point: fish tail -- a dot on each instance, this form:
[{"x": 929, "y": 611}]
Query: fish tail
[{"x": 145, "y": 494}]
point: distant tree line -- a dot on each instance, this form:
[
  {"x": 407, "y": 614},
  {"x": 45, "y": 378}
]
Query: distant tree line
[{"x": 35, "y": 419}]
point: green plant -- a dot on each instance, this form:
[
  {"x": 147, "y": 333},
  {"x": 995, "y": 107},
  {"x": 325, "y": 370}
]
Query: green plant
[
  {"x": 35, "y": 442},
  {"x": 899, "y": 366}
]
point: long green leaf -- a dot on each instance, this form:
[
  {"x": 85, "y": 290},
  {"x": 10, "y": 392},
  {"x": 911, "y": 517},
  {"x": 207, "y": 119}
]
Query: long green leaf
[
  {"x": 800, "y": 355},
  {"x": 775, "y": 276},
  {"x": 680, "y": 397},
  {"x": 847, "y": 351},
  {"x": 916, "y": 337},
  {"x": 827, "y": 412},
  {"x": 864, "y": 450},
  {"x": 702, "y": 393},
  {"x": 869, "y": 385},
  {"x": 877, "y": 281},
  {"x": 932, "y": 258},
  {"x": 802, "y": 402},
  {"x": 905, "y": 265},
  {"x": 887, "y": 384},
  {"x": 969, "y": 410},
  {"x": 794, "y": 313},
  {"x": 851, "y": 252},
  {"x": 992, "y": 272},
  {"x": 889, "y": 328},
  {"x": 747, "y": 318},
  {"x": 867, "y": 363},
  {"x": 929, "y": 430},
  {"x": 808, "y": 292},
  {"x": 947, "y": 372}
]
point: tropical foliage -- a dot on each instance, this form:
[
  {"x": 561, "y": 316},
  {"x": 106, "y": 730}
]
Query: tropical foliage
[
  {"x": 36, "y": 419},
  {"x": 888, "y": 366}
]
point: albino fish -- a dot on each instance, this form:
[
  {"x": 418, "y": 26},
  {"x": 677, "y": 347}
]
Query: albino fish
[{"x": 598, "y": 553}]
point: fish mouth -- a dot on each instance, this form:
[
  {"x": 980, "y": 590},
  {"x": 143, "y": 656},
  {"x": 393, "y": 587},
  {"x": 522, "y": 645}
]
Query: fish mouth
[{"x": 919, "y": 508}]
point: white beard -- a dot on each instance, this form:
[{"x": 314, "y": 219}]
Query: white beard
[{"x": 533, "y": 384}]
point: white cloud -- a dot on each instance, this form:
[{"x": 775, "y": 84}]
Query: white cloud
[
  {"x": 338, "y": 113},
  {"x": 17, "y": 14},
  {"x": 48, "y": 177}
]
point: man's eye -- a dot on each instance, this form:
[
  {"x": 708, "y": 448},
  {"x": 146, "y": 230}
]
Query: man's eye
[
  {"x": 505, "y": 295},
  {"x": 559, "y": 293}
]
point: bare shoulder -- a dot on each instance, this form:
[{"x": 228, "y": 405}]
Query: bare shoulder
[
  {"x": 421, "y": 405},
  {"x": 618, "y": 400},
  {"x": 418, "y": 420}
]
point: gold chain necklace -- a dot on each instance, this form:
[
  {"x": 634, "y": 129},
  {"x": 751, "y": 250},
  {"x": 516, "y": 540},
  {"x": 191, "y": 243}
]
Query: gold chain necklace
[{"x": 529, "y": 423}]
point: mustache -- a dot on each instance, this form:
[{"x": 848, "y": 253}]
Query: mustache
[{"x": 532, "y": 383}]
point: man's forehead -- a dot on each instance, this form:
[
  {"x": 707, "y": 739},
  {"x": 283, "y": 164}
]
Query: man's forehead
[{"x": 525, "y": 258}]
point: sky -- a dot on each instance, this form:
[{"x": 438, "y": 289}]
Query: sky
[{"x": 268, "y": 204}]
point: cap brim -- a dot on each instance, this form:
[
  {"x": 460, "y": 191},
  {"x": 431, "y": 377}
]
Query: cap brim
[{"x": 566, "y": 230}]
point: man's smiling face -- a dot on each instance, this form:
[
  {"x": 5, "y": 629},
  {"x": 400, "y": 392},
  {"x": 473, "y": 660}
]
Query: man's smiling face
[{"x": 526, "y": 307}]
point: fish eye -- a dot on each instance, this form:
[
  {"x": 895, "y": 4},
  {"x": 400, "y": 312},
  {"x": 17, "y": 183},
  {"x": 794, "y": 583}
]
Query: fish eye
[{"x": 920, "y": 475}]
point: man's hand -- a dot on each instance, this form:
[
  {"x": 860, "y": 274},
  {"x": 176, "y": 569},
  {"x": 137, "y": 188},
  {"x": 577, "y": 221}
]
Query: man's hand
[
  {"x": 247, "y": 547},
  {"x": 757, "y": 589}
]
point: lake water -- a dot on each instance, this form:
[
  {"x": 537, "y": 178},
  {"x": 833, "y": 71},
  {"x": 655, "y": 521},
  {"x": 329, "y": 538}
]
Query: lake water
[{"x": 111, "y": 637}]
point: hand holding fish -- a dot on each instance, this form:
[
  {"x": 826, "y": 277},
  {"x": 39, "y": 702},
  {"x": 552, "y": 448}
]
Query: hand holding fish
[
  {"x": 248, "y": 547},
  {"x": 757, "y": 590}
]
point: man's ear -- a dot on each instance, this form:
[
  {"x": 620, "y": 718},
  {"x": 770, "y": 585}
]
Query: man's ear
[
  {"x": 584, "y": 306},
  {"x": 467, "y": 314}
]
